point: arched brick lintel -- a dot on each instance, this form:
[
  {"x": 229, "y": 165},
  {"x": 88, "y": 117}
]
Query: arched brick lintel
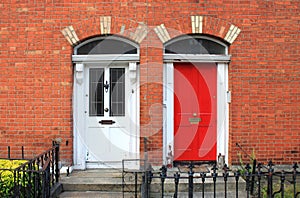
[
  {"x": 105, "y": 25},
  {"x": 207, "y": 25},
  {"x": 137, "y": 31}
]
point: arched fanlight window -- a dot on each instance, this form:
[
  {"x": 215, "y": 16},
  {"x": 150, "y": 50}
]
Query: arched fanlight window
[
  {"x": 106, "y": 48},
  {"x": 195, "y": 44}
]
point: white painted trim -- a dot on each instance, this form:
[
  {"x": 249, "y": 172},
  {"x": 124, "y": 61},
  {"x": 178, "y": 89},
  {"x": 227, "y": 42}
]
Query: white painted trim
[
  {"x": 105, "y": 58},
  {"x": 183, "y": 37},
  {"x": 168, "y": 110},
  {"x": 222, "y": 109},
  {"x": 196, "y": 58},
  {"x": 118, "y": 38},
  {"x": 80, "y": 107},
  {"x": 79, "y": 150}
]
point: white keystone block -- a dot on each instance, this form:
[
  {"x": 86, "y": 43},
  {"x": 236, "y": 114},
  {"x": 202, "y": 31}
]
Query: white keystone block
[
  {"x": 70, "y": 34},
  {"x": 232, "y": 34},
  {"x": 105, "y": 24},
  {"x": 140, "y": 33},
  {"x": 162, "y": 33},
  {"x": 197, "y": 24}
]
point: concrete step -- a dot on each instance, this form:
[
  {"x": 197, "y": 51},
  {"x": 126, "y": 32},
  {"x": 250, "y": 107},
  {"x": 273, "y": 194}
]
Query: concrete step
[
  {"x": 108, "y": 183},
  {"x": 93, "y": 194},
  {"x": 96, "y": 194}
]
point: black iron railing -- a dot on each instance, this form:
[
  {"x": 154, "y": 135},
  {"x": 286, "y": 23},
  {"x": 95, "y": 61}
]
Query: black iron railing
[
  {"x": 266, "y": 181},
  {"x": 36, "y": 178}
]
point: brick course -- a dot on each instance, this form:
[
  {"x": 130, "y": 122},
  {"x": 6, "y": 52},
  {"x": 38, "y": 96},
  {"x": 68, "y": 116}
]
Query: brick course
[{"x": 36, "y": 75}]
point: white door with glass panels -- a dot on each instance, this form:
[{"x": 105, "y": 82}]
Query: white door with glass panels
[{"x": 109, "y": 131}]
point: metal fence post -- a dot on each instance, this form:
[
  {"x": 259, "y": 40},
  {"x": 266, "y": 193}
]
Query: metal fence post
[
  {"x": 253, "y": 176},
  {"x": 295, "y": 166},
  {"x": 22, "y": 148},
  {"x": 203, "y": 175},
  {"x": 237, "y": 177},
  {"x": 148, "y": 180},
  {"x": 248, "y": 183},
  {"x": 8, "y": 152},
  {"x": 225, "y": 175},
  {"x": 259, "y": 173},
  {"x": 214, "y": 175},
  {"x": 56, "y": 162},
  {"x": 282, "y": 178},
  {"x": 176, "y": 180},
  {"x": 191, "y": 180},
  {"x": 270, "y": 179},
  {"x": 163, "y": 176}
]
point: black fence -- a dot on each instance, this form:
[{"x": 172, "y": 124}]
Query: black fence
[
  {"x": 257, "y": 181},
  {"x": 36, "y": 178}
]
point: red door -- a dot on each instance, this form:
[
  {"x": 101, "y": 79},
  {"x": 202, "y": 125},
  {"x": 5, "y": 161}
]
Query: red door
[{"x": 195, "y": 111}]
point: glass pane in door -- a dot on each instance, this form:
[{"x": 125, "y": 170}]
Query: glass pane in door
[
  {"x": 96, "y": 92},
  {"x": 117, "y": 90}
]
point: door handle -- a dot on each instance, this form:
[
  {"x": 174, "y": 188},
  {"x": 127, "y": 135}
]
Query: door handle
[{"x": 106, "y": 122}]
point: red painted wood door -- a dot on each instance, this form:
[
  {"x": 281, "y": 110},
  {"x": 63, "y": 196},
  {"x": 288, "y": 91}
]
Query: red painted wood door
[{"x": 195, "y": 111}]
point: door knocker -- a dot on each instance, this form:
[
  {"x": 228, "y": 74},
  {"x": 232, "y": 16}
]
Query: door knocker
[{"x": 106, "y": 86}]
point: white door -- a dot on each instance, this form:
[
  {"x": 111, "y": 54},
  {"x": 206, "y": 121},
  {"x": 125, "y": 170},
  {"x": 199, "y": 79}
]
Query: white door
[{"x": 110, "y": 133}]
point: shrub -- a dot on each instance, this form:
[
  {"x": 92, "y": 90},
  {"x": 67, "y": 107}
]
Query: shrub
[{"x": 7, "y": 168}]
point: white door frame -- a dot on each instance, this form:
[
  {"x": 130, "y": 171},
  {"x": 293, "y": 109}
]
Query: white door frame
[
  {"x": 223, "y": 100},
  {"x": 97, "y": 54},
  {"x": 79, "y": 107}
]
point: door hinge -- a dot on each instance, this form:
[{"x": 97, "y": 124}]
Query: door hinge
[{"x": 228, "y": 97}]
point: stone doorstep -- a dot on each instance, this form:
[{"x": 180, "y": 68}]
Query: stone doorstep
[
  {"x": 95, "y": 194},
  {"x": 111, "y": 180}
]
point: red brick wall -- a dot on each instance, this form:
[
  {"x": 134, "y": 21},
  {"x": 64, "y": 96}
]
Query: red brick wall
[{"x": 36, "y": 69}]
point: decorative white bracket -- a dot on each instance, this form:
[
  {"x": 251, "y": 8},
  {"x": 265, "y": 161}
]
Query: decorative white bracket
[
  {"x": 132, "y": 71},
  {"x": 79, "y": 72}
]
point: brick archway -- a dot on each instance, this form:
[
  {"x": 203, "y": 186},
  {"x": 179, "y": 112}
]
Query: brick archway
[{"x": 205, "y": 25}]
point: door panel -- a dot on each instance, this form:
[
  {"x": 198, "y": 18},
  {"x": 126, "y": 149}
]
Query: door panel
[
  {"x": 117, "y": 92},
  {"x": 108, "y": 135},
  {"x": 96, "y": 92},
  {"x": 195, "y": 111}
]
